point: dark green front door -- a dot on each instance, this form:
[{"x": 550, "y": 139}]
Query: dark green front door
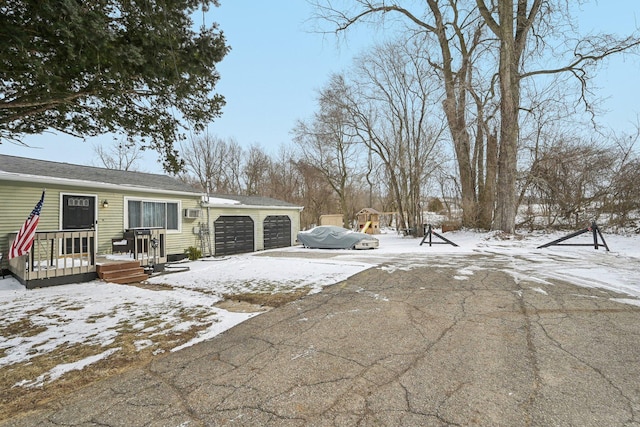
[{"x": 78, "y": 213}]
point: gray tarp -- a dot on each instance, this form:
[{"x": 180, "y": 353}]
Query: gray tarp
[{"x": 331, "y": 237}]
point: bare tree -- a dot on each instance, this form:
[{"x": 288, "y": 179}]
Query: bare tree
[
  {"x": 201, "y": 161},
  {"x": 215, "y": 163},
  {"x": 547, "y": 120},
  {"x": 458, "y": 40},
  {"x": 623, "y": 197},
  {"x": 512, "y": 23},
  {"x": 514, "y": 26},
  {"x": 256, "y": 171},
  {"x": 232, "y": 171},
  {"x": 392, "y": 111},
  {"x": 120, "y": 156},
  {"x": 317, "y": 196},
  {"x": 284, "y": 178},
  {"x": 570, "y": 180},
  {"x": 295, "y": 181},
  {"x": 328, "y": 144}
]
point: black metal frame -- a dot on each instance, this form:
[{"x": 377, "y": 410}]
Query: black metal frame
[
  {"x": 428, "y": 235},
  {"x": 593, "y": 228}
]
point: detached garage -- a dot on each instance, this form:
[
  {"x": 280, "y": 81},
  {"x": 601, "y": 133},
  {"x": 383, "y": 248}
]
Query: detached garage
[{"x": 241, "y": 224}]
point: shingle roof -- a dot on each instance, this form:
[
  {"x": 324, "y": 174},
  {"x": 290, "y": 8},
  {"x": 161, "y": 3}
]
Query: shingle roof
[
  {"x": 82, "y": 174},
  {"x": 44, "y": 168}
]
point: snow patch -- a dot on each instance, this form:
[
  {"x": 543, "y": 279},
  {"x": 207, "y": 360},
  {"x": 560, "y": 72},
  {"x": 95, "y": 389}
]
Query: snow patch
[
  {"x": 540, "y": 290},
  {"x": 95, "y": 313},
  {"x": 57, "y": 371}
]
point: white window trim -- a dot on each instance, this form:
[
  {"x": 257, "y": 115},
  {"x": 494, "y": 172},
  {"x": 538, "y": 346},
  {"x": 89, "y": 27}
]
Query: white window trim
[{"x": 148, "y": 199}]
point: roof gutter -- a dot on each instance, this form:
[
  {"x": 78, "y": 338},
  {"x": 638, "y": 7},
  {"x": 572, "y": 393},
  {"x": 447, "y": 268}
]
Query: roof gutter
[
  {"x": 9, "y": 176},
  {"x": 239, "y": 206}
]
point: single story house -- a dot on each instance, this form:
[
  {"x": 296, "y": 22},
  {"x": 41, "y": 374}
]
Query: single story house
[{"x": 89, "y": 212}]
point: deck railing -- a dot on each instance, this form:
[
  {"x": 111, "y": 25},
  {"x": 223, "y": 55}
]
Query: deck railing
[
  {"x": 148, "y": 245},
  {"x": 56, "y": 254}
]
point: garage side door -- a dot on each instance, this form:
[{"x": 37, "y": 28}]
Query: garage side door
[
  {"x": 233, "y": 235},
  {"x": 277, "y": 231}
]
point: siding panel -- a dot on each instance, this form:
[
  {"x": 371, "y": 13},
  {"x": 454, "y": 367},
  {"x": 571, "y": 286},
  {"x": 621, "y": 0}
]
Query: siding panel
[{"x": 19, "y": 198}]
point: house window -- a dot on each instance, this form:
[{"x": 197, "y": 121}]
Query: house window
[
  {"x": 149, "y": 214},
  {"x": 78, "y": 201}
]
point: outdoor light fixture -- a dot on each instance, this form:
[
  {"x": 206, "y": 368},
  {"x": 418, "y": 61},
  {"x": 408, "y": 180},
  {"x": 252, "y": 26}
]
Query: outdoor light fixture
[{"x": 105, "y": 204}]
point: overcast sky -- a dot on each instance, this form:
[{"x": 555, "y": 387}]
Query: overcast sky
[{"x": 277, "y": 64}]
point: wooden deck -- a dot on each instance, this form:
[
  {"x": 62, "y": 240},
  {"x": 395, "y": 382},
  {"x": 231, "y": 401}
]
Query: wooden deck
[
  {"x": 69, "y": 256},
  {"x": 57, "y": 258}
]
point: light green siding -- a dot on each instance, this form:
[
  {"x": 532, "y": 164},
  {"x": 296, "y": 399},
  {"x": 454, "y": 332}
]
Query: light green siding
[
  {"x": 19, "y": 198},
  {"x": 17, "y": 202}
]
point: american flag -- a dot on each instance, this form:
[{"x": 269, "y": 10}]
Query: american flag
[{"x": 23, "y": 241}]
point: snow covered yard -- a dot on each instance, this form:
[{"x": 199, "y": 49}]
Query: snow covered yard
[{"x": 49, "y": 336}]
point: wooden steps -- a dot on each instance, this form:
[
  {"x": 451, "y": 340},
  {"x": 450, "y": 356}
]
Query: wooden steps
[{"x": 121, "y": 272}]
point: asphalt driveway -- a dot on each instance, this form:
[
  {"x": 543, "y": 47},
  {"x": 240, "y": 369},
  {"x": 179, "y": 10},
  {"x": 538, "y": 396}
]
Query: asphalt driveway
[{"x": 418, "y": 347}]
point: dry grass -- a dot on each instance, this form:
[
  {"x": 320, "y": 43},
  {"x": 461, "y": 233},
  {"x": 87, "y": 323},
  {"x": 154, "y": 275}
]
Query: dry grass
[
  {"x": 269, "y": 299},
  {"x": 18, "y": 399},
  {"x": 22, "y": 328},
  {"x": 152, "y": 286}
]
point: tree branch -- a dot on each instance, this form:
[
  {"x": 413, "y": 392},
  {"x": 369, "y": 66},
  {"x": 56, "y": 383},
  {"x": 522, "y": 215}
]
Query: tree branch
[
  {"x": 343, "y": 22},
  {"x": 486, "y": 14},
  {"x": 624, "y": 46},
  {"x": 46, "y": 104}
]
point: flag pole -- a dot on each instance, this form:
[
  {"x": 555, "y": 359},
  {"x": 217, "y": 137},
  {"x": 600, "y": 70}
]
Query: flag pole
[{"x": 24, "y": 240}]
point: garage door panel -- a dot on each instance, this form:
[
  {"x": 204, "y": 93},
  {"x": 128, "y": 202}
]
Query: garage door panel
[
  {"x": 277, "y": 231},
  {"x": 233, "y": 235}
]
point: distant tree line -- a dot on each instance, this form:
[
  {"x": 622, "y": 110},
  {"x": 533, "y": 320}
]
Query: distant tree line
[
  {"x": 470, "y": 105},
  {"x": 222, "y": 167},
  {"x": 563, "y": 182},
  {"x": 471, "y": 110}
]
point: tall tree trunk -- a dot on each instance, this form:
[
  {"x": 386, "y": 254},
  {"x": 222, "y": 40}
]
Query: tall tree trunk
[
  {"x": 505, "y": 211},
  {"x": 402, "y": 220},
  {"x": 487, "y": 195},
  {"x": 461, "y": 144},
  {"x": 346, "y": 217},
  {"x": 454, "y": 107},
  {"x": 512, "y": 30}
]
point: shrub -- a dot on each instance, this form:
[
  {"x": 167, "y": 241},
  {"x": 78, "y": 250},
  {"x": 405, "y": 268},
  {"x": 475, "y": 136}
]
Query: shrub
[
  {"x": 193, "y": 253},
  {"x": 435, "y": 205}
]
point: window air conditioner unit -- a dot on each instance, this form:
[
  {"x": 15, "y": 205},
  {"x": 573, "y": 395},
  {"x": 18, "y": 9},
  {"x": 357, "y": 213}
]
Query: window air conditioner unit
[{"x": 192, "y": 213}]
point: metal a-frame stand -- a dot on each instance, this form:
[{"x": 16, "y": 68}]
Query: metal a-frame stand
[
  {"x": 593, "y": 228},
  {"x": 430, "y": 233}
]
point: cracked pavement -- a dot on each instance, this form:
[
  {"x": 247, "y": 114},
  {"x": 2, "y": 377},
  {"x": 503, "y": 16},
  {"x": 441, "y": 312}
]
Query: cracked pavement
[{"x": 424, "y": 346}]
